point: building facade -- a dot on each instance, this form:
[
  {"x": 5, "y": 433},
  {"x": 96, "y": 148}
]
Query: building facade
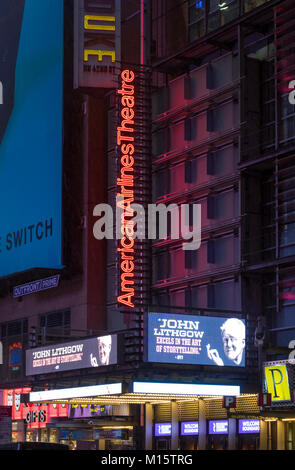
[{"x": 167, "y": 103}]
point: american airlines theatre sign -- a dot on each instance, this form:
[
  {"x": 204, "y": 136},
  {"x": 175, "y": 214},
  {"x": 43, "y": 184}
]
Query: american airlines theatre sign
[{"x": 125, "y": 183}]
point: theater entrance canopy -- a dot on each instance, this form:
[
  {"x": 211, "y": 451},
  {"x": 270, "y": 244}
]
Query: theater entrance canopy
[{"x": 134, "y": 393}]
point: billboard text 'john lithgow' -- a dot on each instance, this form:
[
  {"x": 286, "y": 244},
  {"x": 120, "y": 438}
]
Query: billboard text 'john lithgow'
[{"x": 190, "y": 339}]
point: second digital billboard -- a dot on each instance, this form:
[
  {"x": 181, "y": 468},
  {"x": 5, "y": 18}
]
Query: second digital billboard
[
  {"x": 190, "y": 339},
  {"x": 31, "y": 134}
]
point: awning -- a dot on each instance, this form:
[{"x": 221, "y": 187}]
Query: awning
[{"x": 134, "y": 393}]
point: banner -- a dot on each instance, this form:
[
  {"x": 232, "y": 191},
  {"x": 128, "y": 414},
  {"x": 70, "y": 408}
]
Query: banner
[
  {"x": 31, "y": 132},
  {"x": 79, "y": 354},
  {"x": 190, "y": 339}
]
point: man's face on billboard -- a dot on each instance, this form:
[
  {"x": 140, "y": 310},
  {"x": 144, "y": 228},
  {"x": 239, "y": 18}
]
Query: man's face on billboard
[
  {"x": 104, "y": 349},
  {"x": 233, "y": 341}
]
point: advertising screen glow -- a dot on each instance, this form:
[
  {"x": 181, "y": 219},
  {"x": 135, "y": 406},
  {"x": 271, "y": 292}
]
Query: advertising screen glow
[
  {"x": 31, "y": 124},
  {"x": 162, "y": 429},
  {"x": 189, "y": 428},
  {"x": 249, "y": 426},
  {"x": 80, "y": 354},
  {"x": 218, "y": 427},
  {"x": 190, "y": 339}
]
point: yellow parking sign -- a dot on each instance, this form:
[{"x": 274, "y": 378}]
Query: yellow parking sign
[{"x": 277, "y": 382}]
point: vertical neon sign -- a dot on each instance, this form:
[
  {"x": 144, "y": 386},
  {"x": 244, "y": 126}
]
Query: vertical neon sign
[{"x": 125, "y": 194}]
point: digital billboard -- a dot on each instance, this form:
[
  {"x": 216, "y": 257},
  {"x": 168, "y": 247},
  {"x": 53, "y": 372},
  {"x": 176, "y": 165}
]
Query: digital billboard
[
  {"x": 79, "y": 354},
  {"x": 31, "y": 125},
  {"x": 219, "y": 426},
  {"x": 190, "y": 428},
  {"x": 190, "y": 339},
  {"x": 249, "y": 426},
  {"x": 162, "y": 429}
]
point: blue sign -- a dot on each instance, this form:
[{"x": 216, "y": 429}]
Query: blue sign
[
  {"x": 189, "y": 428},
  {"x": 190, "y": 339},
  {"x": 218, "y": 426},
  {"x": 36, "y": 286},
  {"x": 31, "y": 125},
  {"x": 162, "y": 429},
  {"x": 249, "y": 426}
]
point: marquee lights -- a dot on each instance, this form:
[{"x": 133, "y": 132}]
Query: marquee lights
[
  {"x": 125, "y": 197},
  {"x": 186, "y": 389},
  {"x": 66, "y": 393}
]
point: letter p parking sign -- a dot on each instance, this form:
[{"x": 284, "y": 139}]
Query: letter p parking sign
[{"x": 277, "y": 382}]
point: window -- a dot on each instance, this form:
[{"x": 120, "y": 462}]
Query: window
[
  {"x": 191, "y": 166},
  {"x": 221, "y": 12},
  {"x": 190, "y": 128},
  {"x": 161, "y": 266},
  {"x": 250, "y": 4},
  {"x": 211, "y": 251},
  {"x": 161, "y": 141},
  {"x": 14, "y": 328},
  {"x": 287, "y": 119},
  {"x": 60, "y": 319},
  {"x": 189, "y": 85},
  {"x": 196, "y": 19},
  {"x": 161, "y": 182},
  {"x": 190, "y": 259}
]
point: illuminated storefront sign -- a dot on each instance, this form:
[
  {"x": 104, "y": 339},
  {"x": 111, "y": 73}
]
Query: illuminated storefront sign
[
  {"x": 125, "y": 141},
  {"x": 76, "y": 392},
  {"x": 189, "y": 339},
  {"x": 189, "y": 428},
  {"x": 36, "y": 286},
  {"x": 162, "y": 429},
  {"x": 97, "y": 43},
  {"x": 248, "y": 426},
  {"x": 15, "y": 355},
  {"x": 35, "y": 415},
  {"x": 77, "y": 411},
  {"x": 218, "y": 427},
  {"x": 277, "y": 382},
  {"x": 185, "y": 389},
  {"x": 80, "y": 354}
]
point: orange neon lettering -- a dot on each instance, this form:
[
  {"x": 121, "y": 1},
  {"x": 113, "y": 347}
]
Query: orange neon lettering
[
  {"x": 127, "y": 76},
  {"x": 127, "y": 113},
  {"x": 127, "y": 266},
  {"x": 129, "y": 148},
  {"x": 126, "y": 299},
  {"x": 126, "y": 184}
]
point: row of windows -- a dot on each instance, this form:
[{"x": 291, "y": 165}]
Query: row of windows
[
  {"x": 218, "y": 207},
  {"x": 195, "y": 129},
  {"x": 195, "y": 170},
  {"x": 188, "y": 20},
  {"x": 178, "y": 263},
  {"x": 220, "y": 295},
  {"x": 216, "y": 74},
  {"x": 60, "y": 319}
]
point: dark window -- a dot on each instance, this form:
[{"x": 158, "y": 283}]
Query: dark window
[
  {"x": 211, "y": 251},
  {"x": 190, "y": 128},
  {"x": 211, "y": 207},
  {"x": 14, "y": 328},
  {"x": 190, "y": 171},
  {"x": 209, "y": 77},
  {"x": 211, "y": 295},
  {"x": 190, "y": 257},
  {"x": 60, "y": 319},
  {"x": 210, "y": 163}
]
